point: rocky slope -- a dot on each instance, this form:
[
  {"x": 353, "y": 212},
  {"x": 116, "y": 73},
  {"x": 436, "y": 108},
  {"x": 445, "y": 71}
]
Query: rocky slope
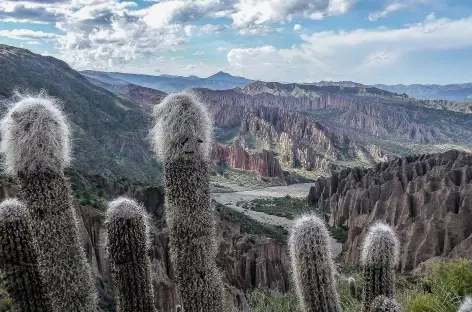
[
  {"x": 109, "y": 131},
  {"x": 319, "y": 128},
  {"x": 426, "y": 198},
  {"x": 146, "y": 97}
]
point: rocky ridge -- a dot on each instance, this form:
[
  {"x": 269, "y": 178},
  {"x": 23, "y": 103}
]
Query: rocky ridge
[{"x": 426, "y": 198}]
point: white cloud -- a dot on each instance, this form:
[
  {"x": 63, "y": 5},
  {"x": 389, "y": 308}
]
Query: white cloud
[
  {"x": 30, "y": 12},
  {"x": 297, "y": 27},
  {"x": 100, "y": 33},
  {"x": 27, "y": 34},
  {"x": 198, "y": 53},
  {"x": 257, "y": 12},
  {"x": 362, "y": 54},
  {"x": 389, "y": 9}
]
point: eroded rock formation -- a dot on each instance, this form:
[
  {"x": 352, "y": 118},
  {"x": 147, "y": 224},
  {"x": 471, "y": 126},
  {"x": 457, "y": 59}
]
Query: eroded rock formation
[{"x": 426, "y": 198}]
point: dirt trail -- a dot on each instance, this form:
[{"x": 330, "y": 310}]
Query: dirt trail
[{"x": 296, "y": 190}]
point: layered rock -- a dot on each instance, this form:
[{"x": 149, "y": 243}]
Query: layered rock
[
  {"x": 264, "y": 163},
  {"x": 426, "y": 198}
]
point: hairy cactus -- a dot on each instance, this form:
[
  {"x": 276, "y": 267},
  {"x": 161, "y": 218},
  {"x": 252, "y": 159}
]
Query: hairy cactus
[
  {"x": 128, "y": 241},
  {"x": 312, "y": 265},
  {"x": 36, "y": 144},
  {"x": 379, "y": 257},
  {"x": 182, "y": 137},
  {"x": 384, "y": 304},
  {"x": 466, "y": 306},
  {"x": 18, "y": 262},
  {"x": 352, "y": 286}
]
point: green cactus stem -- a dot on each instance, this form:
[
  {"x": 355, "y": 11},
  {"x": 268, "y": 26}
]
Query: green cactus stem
[
  {"x": 18, "y": 261},
  {"x": 379, "y": 257},
  {"x": 36, "y": 144},
  {"x": 128, "y": 242},
  {"x": 313, "y": 266},
  {"x": 182, "y": 137}
]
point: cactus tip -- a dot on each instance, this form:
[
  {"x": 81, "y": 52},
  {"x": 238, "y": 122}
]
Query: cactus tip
[
  {"x": 127, "y": 208},
  {"x": 466, "y": 305},
  {"x": 12, "y": 209},
  {"x": 35, "y": 135},
  {"x": 183, "y": 127},
  {"x": 380, "y": 239}
]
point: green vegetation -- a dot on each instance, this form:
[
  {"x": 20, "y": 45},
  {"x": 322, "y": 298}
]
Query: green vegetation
[
  {"x": 263, "y": 300},
  {"x": 286, "y": 207},
  {"x": 411, "y": 290},
  {"x": 249, "y": 225},
  {"x": 5, "y": 301},
  {"x": 227, "y": 135},
  {"x": 225, "y": 175},
  {"x": 290, "y": 207}
]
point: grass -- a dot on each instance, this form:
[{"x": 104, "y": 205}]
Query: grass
[{"x": 445, "y": 295}]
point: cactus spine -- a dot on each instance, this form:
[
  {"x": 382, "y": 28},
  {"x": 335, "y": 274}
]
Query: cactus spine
[
  {"x": 36, "y": 144},
  {"x": 128, "y": 241},
  {"x": 312, "y": 265},
  {"x": 379, "y": 257},
  {"x": 18, "y": 262},
  {"x": 384, "y": 304},
  {"x": 466, "y": 306},
  {"x": 182, "y": 136}
]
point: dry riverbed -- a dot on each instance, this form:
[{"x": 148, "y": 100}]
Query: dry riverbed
[{"x": 230, "y": 199}]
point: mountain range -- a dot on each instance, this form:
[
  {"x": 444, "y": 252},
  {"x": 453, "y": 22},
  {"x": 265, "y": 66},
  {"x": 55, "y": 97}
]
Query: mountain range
[
  {"x": 222, "y": 80},
  {"x": 168, "y": 83},
  {"x": 280, "y": 133}
]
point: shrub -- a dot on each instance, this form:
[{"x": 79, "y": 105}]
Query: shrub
[
  {"x": 454, "y": 276},
  {"x": 272, "y": 301}
]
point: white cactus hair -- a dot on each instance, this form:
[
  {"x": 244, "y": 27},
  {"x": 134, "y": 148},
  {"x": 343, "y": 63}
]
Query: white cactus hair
[
  {"x": 177, "y": 116},
  {"x": 127, "y": 208},
  {"x": 380, "y": 238},
  {"x": 11, "y": 209},
  {"x": 35, "y": 135},
  {"x": 466, "y": 305}
]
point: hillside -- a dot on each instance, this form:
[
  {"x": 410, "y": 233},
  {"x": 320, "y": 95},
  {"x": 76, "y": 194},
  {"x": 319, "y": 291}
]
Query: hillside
[
  {"x": 109, "y": 131},
  {"x": 168, "y": 83},
  {"x": 291, "y": 130}
]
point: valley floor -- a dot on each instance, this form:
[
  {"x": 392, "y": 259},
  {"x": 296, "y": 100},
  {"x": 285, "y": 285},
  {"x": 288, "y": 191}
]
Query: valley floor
[{"x": 231, "y": 200}]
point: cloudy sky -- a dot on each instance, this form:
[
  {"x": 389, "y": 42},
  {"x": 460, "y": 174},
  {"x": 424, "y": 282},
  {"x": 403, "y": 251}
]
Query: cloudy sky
[{"x": 368, "y": 41}]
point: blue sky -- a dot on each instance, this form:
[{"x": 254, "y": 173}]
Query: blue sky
[{"x": 367, "y": 41}]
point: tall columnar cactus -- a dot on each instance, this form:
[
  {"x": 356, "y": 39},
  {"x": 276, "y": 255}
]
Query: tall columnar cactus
[
  {"x": 313, "y": 266},
  {"x": 379, "y": 257},
  {"x": 182, "y": 136},
  {"x": 352, "y": 287},
  {"x": 36, "y": 144},
  {"x": 466, "y": 306},
  {"x": 384, "y": 304},
  {"x": 18, "y": 262},
  {"x": 128, "y": 242}
]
